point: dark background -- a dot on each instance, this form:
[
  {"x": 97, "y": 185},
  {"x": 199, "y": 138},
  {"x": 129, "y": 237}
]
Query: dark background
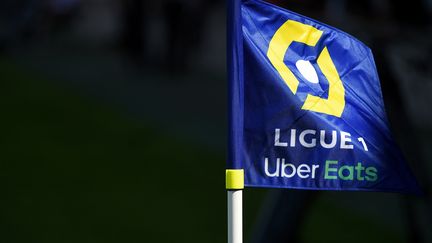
[{"x": 113, "y": 125}]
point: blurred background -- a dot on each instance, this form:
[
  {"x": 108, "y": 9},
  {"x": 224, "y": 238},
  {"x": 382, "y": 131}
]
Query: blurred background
[{"x": 113, "y": 109}]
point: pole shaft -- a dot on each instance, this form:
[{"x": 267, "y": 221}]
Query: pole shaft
[{"x": 235, "y": 216}]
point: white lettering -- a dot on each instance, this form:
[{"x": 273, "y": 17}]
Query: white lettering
[
  {"x": 333, "y": 139},
  {"x": 277, "y": 138},
  {"x": 363, "y": 143},
  {"x": 293, "y": 138},
  {"x": 288, "y": 170},
  {"x": 300, "y": 170},
  {"x": 314, "y": 167},
  {"x": 293, "y": 169},
  {"x": 302, "y": 136},
  {"x": 345, "y": 138},
  {"x": 266, "y": 168},
  {"x": 311, "y": 138}
]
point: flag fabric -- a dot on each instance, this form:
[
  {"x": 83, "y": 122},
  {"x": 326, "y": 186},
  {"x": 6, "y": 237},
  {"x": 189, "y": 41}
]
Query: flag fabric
[{"x": 306, "y": 109}]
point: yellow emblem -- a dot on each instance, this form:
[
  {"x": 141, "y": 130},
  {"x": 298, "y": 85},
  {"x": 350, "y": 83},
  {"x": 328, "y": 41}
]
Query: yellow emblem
[{"x": 295, "y": 31}]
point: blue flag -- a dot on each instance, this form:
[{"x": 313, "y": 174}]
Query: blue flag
[{"x": 306, "y": 106}]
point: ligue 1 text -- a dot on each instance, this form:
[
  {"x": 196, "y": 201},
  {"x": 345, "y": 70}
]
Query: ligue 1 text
[{"x": 311, "y": 138}]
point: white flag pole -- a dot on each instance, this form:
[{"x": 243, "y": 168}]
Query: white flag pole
[
  {"x": 234, "y": 186},
  {"x": 235, "y": 216}
]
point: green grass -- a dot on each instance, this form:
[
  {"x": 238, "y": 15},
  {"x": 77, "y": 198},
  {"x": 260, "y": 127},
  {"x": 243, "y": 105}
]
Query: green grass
[
  {"x": 329, "y": 222},
  {"x": 75, "y": 171}
]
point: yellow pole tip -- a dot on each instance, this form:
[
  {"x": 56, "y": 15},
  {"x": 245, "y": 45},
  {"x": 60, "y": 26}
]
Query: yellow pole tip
[{"x": 234, "y": 179}]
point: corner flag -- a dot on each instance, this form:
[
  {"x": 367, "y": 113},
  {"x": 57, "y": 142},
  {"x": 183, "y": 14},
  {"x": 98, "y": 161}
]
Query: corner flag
[{"x": 306, "y": 109}]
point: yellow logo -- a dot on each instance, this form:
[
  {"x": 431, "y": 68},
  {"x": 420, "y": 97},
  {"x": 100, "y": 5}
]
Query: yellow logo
[{"x": 295, "y": 31}]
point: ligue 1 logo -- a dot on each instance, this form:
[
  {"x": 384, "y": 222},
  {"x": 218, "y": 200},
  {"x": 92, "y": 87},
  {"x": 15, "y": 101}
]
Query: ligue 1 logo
[{"x": 292, "y": 31}]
